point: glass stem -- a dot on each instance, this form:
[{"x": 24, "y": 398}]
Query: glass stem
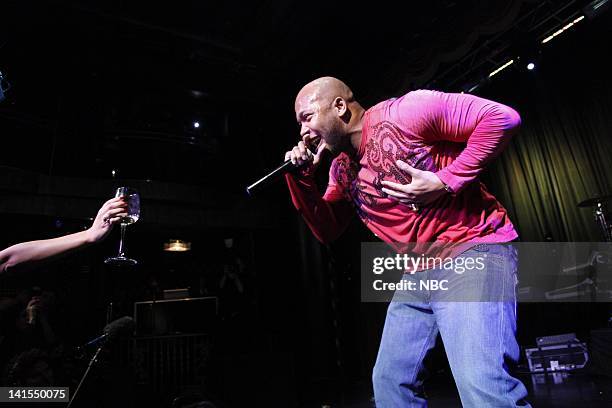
[{"x": 121, "y": 241}]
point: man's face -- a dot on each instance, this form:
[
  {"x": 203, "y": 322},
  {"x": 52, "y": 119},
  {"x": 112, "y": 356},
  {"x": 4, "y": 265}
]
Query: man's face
[{"x": 319, "y": 121}]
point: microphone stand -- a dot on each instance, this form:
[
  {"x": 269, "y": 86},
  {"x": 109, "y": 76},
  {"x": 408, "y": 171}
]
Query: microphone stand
[{"x": 93, "y": 360}]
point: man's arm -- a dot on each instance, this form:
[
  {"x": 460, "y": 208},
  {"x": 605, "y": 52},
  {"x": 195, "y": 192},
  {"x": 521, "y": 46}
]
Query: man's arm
[
  {"x": 327, "y": 216},
  {"x": 484, "y": 126},
  {"x": 25, "y": 254}
]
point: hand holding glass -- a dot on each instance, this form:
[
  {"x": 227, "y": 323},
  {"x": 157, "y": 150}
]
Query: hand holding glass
[{"x": 133, "y": 201}]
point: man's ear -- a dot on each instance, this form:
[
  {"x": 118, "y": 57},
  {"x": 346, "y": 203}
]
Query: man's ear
[{"x": 340, "y": 106}]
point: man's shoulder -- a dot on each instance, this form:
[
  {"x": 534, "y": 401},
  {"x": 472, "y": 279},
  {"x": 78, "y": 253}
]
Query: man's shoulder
[
  {"x": 410, "y": 98},
  {"x": 419, "y": 94}
]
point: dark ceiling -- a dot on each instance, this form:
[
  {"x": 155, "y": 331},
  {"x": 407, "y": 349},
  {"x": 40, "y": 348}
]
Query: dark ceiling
[{"x": 102, "y": 85}]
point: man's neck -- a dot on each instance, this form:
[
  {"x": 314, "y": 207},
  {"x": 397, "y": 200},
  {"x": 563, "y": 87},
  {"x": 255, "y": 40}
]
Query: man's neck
[{"x": 354, "y": 132}]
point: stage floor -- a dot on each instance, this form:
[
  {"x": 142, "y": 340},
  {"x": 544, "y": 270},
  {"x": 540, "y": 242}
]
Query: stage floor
[{"x": 554, "y": 391}]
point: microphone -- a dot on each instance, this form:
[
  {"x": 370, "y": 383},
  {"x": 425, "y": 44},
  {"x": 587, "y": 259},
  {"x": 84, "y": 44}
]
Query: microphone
[
  {"x": 281, "y": 170},
  {"x": 122, "y": 327}
]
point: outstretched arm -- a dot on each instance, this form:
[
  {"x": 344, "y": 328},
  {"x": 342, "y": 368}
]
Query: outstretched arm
[{"x": 25, "y": 254}]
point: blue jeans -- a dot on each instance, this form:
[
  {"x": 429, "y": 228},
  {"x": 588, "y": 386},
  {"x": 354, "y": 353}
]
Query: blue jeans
[{"x": 478, "y": 329}]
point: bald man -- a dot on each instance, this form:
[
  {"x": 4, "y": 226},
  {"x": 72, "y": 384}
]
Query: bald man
[{"x": 409, "y": 168}]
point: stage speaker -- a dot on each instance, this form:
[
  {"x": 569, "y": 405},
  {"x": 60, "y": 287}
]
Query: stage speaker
[{"x": 557, "y": 357}]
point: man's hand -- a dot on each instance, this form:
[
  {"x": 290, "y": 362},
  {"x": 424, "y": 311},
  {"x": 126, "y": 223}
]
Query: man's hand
[
  {"x": 300, "y": 154},
  {"x": 424, "y": 189},
  {"x": 110, "y": 214}
]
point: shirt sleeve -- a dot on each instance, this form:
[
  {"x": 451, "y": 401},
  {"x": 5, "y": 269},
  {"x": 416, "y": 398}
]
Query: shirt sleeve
[
  {"x": 484, "y": 126},
  {"x": 327, "y": 216}
]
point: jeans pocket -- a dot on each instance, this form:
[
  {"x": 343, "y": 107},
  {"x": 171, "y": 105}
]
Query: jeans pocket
[{"x": 480, "y": 248}]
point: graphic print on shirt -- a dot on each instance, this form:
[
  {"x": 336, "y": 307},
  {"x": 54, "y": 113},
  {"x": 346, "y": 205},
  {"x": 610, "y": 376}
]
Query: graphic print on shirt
[
  {"x": 385, "y": 146},
  {"x": 344, "y": 172}
]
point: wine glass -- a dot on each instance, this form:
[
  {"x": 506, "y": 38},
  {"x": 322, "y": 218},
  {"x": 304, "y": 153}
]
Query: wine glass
[{"x": 133, "y": 200}]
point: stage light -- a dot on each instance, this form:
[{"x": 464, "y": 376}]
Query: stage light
[
  {"x": 196, "y": 124},
  {"x": 530, "y": 66},
  {"x": 596, "y": 8},
  {"x": 177, "y": 245},
  {"x": 471, "y": 87},
  {"x": 498, "y": 70},
  {"x": 564, "y": 28}
]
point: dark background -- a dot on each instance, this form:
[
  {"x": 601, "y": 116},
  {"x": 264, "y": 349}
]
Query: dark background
[{"x": 117, "y": 85}]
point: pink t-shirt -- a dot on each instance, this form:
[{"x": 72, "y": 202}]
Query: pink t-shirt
[{"x": 452, "y": 135}]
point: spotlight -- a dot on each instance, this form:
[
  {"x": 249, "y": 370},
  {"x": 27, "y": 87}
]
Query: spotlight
[
  {"x": 564, "y": 28},
  {"x": 177, "y": 245},
  {"x": 196, "y": 124},
  {"x": 471, "y": 87},
  {"x": 530, "y": 66},
  {"x": 498, "y": 70}
]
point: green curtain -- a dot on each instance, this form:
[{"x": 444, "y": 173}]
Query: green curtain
[{"x": 563, "y": 153}]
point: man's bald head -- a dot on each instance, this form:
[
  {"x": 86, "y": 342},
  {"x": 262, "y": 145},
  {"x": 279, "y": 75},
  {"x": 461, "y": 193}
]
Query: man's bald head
[
  {"x": 325, "y": 110},
  {"x": 325, "y": 90}
]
